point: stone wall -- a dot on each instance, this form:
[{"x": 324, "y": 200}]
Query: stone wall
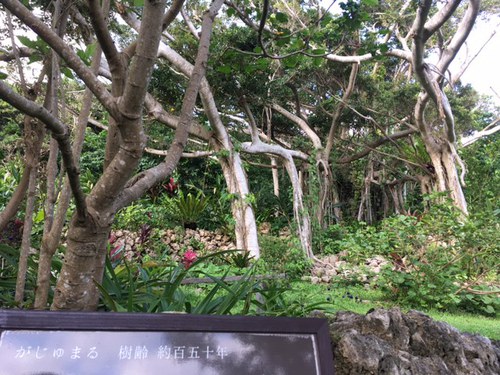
[
  {"x": 176, "y": 242},
  {"x": 390, "y": 342}
]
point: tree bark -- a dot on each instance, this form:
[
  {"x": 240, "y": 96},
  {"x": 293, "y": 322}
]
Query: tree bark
[
  {"x": 440, "y": 144},
  {"x": 51, "y": 238},
  {"x": 245, "y": 225},
  {"x": 84, "y": 262}
]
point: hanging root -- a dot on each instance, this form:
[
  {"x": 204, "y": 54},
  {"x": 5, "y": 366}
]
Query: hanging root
[{"x": 460, "y": 162}]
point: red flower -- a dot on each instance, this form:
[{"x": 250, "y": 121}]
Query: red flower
[
  {"x": 189, "y": 258},
  {"x": 171, "y": 187}
]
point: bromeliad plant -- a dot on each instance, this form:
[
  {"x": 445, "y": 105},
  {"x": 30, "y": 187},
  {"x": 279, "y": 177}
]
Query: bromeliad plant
[
  {"x": 187, "y": 208},
  {"x": 159, "y": 288}
]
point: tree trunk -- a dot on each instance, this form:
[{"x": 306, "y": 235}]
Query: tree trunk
[
  {"x": 365, "y": 212},
  {"x": 300, "y": 212},
  {"x": 26, "y": 240},
  {"x": 88, "y": 236},
  {"x": 329, "y": 200},
  {"x": 445, "y": 172},
  {"x": 276, "y": 180},
  {"x": 51, "y": 238},
  {"x": 75, "y": 289},
  {"x": 237, "y": 184},
  {"x": 17, "y": 198}
]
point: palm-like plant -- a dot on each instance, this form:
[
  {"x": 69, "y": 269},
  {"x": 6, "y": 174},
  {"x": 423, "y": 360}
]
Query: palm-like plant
[{"x": 188, "y": 208}]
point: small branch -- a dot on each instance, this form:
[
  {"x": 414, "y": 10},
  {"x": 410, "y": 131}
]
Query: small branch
[
  {"x": 189, "y": 24},
  {"x": 187, "y": 155},
  {"x": 340, "y": 107},
  {"x": 492, "y": 128},
  {"x": 466, "y": 64},
  {"x": 316, "y": 141},
  {"x": 60, "y": 133},
  {"x": 438, "y": 20},
  {"x": 7, "y": 56},
  {"x": 106, "y": 42},
  {"x": 172, "y": 12},
  {"x": 371, "y": 146},
  {"x": 63, "y": 50}
]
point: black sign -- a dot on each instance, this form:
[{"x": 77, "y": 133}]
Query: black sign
[{"x": 66, "y": 343}]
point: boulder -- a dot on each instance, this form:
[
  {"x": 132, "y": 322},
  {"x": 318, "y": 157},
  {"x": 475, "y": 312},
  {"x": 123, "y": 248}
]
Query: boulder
[{"x": 391, "y": 342}]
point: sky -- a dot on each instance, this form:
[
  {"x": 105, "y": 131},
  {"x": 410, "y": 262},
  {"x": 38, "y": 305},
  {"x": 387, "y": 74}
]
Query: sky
[{"x": 484, "y": 73}]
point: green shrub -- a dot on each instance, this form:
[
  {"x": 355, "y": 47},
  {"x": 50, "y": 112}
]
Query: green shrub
[
  {"x": 8, "y": 275},
  {"x": 439, "y": 259},
  {"x": 445, "y": 261},
  {"x": 284, "y": 256},
  {"x": 142, "y": 212},
  {"x": 10, "y": 174},
  {"x": 186, "y": 208}
]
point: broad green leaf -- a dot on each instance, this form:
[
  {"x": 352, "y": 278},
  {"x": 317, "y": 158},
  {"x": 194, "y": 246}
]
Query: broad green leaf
[
  {"x": 283, "y": 41},
  {"x": 81, "y": 54},
  {"x": 370, "y": 2},
  {"x": 489, "y": 309},
  {"x": 281, "y": 17},
  {"x": 291, "y": 62},
  {"x": 3, "y": 75},
  {"x": 383, "y": 48},
  {"x": 27, "y": 42},
  {"x": 298, "y": 43},
  {"x": 67, "y": 72},
  {"x": 90, "y": 49},
  {"x": 34, "y": 58},
  {"x": 40, "y": 216}
]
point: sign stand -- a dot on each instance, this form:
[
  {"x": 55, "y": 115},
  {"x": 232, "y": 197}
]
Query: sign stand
[{"x": 73, "y": 343}]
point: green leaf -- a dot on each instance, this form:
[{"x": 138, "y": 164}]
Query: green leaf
[
  {"x": 383, "y": 48},
  {"x": 34, "y": 58},
  {"x": 281, "y": 17},
  {"x": 257, "y": 50},
  {"x": 230, "y": 12},
  {"x": 370, "y": 2},
  {"x": 40, "y": 216},
  {"x": 3, "y": 75},
  {"x": 81, "y": 54},
  {"x": 318, "y": 52},
  {"x": 138, "y": 3},
  {"x": 283, "y": 41},
  {"x": 27, "y": 42},
  {"x": 291, "y": 62},
  {"x": 489, "y": 309},
  {"x": 225, "y": 69},
  {"x": 67, "y": 72},
  {"x": 298, "y": 43}
]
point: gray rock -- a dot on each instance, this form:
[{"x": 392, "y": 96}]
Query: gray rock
[{"x": 390, "y": 342}]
